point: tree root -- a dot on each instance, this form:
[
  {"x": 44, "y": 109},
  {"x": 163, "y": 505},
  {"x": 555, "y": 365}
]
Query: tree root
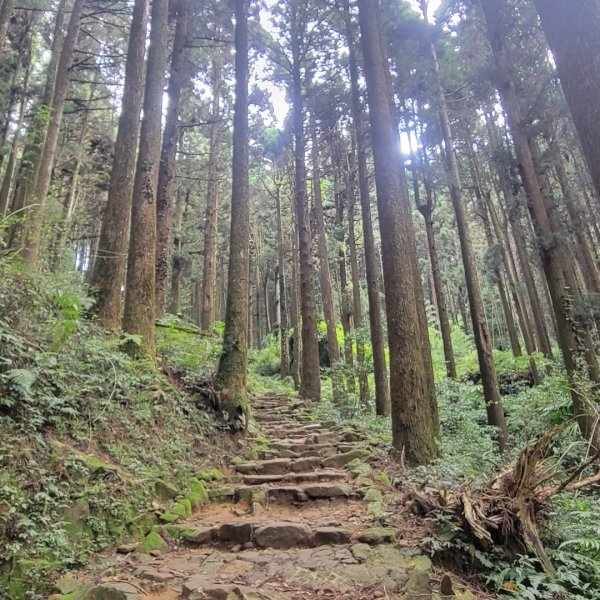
[{"x": 507, "y": 509}]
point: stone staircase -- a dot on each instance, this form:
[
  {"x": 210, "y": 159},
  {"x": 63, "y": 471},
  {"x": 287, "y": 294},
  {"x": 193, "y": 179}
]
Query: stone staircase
[{"x": 304, "y": 519}]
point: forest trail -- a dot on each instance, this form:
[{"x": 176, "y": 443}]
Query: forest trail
[{"x": 304, "y": 521}]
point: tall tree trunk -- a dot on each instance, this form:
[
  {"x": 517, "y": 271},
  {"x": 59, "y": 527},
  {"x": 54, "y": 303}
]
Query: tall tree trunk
[
  {"x": 33, "y": 228},
  {"x": 6, "y": 11},
  {"x": 414, "y": 412},
  {"x": 109, "y": 270},
  {"x": 296, "y": 340},
  {"x": 481, "y": 334},
  {"x": 7, "y": 181},
  {"x": 209, "y": 273},
  {"x": 180, "y": 261},
  {"x": 284, "y": 342},
  {"x": 572, "y": 33},
  {"x": 426, "y": 209},
  {"x": 324, "y": 271},
  {"x": 233, "y": 364},
  {"x": 363, "y": 380},
  {"x": 140, "y": 291},
  {"x": 575, "y": 354},
  {"x": 310, "y": 386},
  {"x": 382, "y": 388},
  {"x": 166, "y": 174}
]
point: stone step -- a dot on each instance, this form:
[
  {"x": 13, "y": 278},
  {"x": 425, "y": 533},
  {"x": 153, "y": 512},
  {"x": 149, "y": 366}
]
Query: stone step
[
  {"x": 320, "y": 475},
  {"x": 280, "y": 493},
  {"x": 279, "y": 466},
  {"x": 272, "y": 534}
]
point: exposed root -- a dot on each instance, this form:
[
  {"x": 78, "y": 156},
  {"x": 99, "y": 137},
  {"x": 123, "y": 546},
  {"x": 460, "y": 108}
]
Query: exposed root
[{"x": 507, "y": 509}]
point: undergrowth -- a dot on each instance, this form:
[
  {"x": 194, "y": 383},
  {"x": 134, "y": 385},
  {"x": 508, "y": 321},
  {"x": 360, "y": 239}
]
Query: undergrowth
[{"x": 86, "y": 432}]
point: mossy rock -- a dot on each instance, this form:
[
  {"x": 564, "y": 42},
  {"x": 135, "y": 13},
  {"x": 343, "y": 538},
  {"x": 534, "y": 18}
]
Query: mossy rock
[
  {"x": 197, "y": 494},
  {"x": 187, "y": 506},
  {"x": 77, "y": 594},
  {"x": 164, "y": 491},
  {"x": 75, "y": 519},
  {"x": 383, "y": 477},
  {"x": 105, "y": 593},
  {"x": 359, "y": 468},
  {"x": 151, "y": 543},
  {"x": 210, "y": 475},
  {"x": 141, "y": 525},
  {"x": 170, "y": 517},
  {"x": 238, "y": 460},
  {"x": 222, "y": 493},
  {"x": 177, "y": 532}
]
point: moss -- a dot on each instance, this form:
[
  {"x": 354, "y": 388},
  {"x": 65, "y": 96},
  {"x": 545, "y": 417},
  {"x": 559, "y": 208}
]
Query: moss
[
  {"x": 177, "y": 531},
  {"x": 141, "y": 525},
  {"x": 383, "y": 477},
  {"x": 152, "y": 542},
  {"x": 77, "y": 594},
  {"x": 210, "y": 475},
  {"x": 170, "y": 517},
  {"x": 164, "y": 491},
  {"x": 238, "y": 460},
  {"x": 197, "y": 494},
  {"x": 187, "y": 506}
]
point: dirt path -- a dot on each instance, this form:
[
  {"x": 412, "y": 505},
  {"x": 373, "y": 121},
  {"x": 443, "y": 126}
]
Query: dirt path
[{"x": 305, "y": 521}]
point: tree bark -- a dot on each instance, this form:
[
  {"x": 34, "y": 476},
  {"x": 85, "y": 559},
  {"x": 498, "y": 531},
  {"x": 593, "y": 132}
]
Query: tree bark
[
  {"x": 324, "y": 271},
  {"x": 481, "y": 334},
  {"x": 166, "y": 174},
  {"x": 284, "y": 343},
  {"x": 140, "y": 287},
  {"x": 180, "y": 261},
  {"x": 109, "y": 269},
  {"x": 572, "y": 33},
  {"x": 310, "y": 386},
  {"x": 570, "y": 336},
  {"x": 382, "y": 389},
  {"x": 209, "y": 273},
  {"x": 413, "y": 407},
  {"x": 33, "y": 228},
  {"x": 6, "y": 11},
  {"x": 363, "y": 381},
  {"x": 233, "y": 364}
]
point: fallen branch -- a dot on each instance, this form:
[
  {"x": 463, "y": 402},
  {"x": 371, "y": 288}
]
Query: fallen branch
[{"x": 506, "y": 510}]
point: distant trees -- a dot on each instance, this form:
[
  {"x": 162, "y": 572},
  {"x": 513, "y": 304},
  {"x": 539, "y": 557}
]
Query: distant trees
[{"x": 285, "y": 246}]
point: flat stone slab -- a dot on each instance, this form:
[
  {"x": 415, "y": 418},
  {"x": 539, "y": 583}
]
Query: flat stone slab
[
  {"x": 332, "y": 536},
  {"x": 282, "y": 535},
  {"x": 334, "y": 490},
  {"x": 268, "y": 467},
  {"x": 339, "y": 460}
]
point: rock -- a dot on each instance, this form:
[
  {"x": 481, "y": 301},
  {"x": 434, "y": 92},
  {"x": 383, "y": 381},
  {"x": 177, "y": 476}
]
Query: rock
[
  {"x": 359, "y": 468},
  {"x": 67, "y": 583},
  {"x": 257, "y": 509},
  {"x": 417, "y": 587},
  {"x": 200, "y": 535},
  {"x": 421, "y": 563},
  {"x": 210, "y": 475},
  {"x": 377, "y": 535},
  {"x": 330, "y": 536},
  {"x": 222, "y": 493},
  {"x": 211, "y": 591},
  {"x": 446, "y": 586},
  {"x": 361, "y": 552},
  {"x": 352, "y": 436},
  {"x": 339, "y": 460},
  {"x": 237, "y": 533},
  {"x": 157, "y": 576},
  {"x": 333, "y": 490},
  {"x": 152, "y": 542},
  {"x": 306, "y": 463},
  {"x": 127, "y": 548},
  {"x": 326, "y": 438},
  {"x": 164, "y": 491},
  {"x": 374, "y": 499},
  {"x": 105, "y": 592},
  {"x": 267, "y": 467},
  {"x": 281, "y": 535}
]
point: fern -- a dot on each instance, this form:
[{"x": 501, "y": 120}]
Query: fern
[{"x": 22, "y": 380}]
